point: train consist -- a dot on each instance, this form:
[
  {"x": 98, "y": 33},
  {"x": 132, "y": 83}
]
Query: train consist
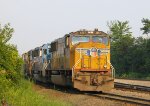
[{"x": 80, "y": 59}]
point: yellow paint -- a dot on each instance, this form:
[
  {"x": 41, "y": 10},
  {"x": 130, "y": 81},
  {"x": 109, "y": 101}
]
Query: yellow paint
[{"x": 81, "y": 61}]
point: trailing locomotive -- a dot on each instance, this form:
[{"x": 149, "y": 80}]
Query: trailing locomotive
[{"x": 80, "y": 59}]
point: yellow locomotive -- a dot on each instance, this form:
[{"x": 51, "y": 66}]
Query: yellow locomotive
[{"x": 80, "y": 59}]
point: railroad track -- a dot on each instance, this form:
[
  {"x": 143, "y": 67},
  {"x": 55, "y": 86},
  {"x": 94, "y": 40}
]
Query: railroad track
[
  {"x": 133, "y": 79},
  {"x": 133, "y": 87},
  {"x": 111, "y": 96},
  {"x": 127, "y": 99}
]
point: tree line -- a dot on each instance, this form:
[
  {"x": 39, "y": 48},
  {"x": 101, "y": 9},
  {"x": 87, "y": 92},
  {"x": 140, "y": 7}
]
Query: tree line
[{"x": 130, "y": 55}]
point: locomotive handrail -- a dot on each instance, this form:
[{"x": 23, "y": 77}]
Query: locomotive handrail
[
  {"x": 113, "y": 69},
  {"x": 76, "y": 65},
  {"x": 45, "y": 64},
  {"x": 31, "y": 66}
]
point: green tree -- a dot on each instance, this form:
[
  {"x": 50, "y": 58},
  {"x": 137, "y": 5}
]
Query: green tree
[
  {"x": 10, "y": 61},
  {"x": 146, "y": 26},
  {"x": 146, "y": 45},
  {"x": 121, "y": 44},
  {"x": 130, "y": 56},
  {"x": 141, "y": 53}
]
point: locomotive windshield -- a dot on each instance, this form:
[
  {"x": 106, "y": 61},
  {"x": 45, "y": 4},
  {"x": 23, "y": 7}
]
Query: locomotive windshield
[
  {"x": 100, "y": 39},
  {"x": 78, "y": 39}
]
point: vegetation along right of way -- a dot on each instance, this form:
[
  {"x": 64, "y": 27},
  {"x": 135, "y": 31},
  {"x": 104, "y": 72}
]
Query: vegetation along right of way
[
  {"x": 130, "y": 55},
  {"x": 14, "y": 90}
]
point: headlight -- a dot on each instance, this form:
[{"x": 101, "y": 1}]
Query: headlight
[{"x": 105, "y": 66}]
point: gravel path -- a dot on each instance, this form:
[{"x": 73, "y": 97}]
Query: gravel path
[
  {"x": 134, "y": 82},
  {"x": 75, "y": 99}
]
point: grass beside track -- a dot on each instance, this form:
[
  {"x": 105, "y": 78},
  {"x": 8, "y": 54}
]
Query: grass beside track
[
  {"x": 133, "y": 75},
  {"x": 24, "y": 95}
]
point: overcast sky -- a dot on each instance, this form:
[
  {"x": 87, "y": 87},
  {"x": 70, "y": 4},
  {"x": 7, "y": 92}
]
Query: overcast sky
[{"x": 40, "y": 21}]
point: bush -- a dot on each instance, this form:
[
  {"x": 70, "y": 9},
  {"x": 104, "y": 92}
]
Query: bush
[
  {"x": 133, "y": 75},
  {"x": 13, "y": 89}
]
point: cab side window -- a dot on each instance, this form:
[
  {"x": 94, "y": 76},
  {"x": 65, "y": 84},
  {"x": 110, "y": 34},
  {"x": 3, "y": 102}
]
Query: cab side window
[
  {"x": 45, "y": 51},
  {"x": 54, "y": 46},
  {"x": 67, "y": 41},
  {"x": 40, "y": 52}
]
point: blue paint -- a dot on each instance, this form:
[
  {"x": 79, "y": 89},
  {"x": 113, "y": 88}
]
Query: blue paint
[
  {"x": 99, "y": 52},
  {"x": 46, "y": 54},
  {"x": 88, "y": 52}
]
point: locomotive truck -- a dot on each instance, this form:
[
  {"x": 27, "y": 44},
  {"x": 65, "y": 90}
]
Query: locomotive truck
[{"x": 79, "y": 59}]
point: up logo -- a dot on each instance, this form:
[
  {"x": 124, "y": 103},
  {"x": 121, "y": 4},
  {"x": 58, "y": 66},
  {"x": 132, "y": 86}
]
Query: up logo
[{"x": 93, "y": 52}]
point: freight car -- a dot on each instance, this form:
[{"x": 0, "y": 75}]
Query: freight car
[{"x": 80, "y": 59}]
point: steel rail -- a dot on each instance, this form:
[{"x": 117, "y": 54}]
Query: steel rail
[
  {"x": 134, "y": 79},
  {"x": 127, "y": 99},
  {"x": 131, "y": 86}
]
